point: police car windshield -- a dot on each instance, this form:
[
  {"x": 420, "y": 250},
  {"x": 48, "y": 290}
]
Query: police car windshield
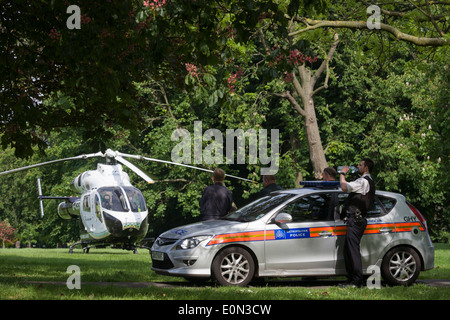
[{"x": 258, "y": 208}]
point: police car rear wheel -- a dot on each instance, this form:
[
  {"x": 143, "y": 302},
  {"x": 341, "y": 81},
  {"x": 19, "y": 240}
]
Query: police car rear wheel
[
  {"x": 233, "y": 266},
  {"x": 401, "y": 266}
]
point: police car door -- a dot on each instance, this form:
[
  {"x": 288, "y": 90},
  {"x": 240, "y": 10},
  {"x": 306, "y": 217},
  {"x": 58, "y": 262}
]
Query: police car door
[
  {"x": 307, "y": 244},
  {"x": 377, "y": 236}
]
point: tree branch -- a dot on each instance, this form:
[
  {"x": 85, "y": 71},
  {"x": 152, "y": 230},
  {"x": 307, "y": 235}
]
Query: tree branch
[
  {"x": 263, "y": 40},
  {"x": 420, "y": 41},
  {"x": 325, "y": 63},
  {"x": 325, "y": 83},
  {"x": 287, "y": 95},
  {"x": 429, "y": 15},
  {"x": 297, "y": 85}
]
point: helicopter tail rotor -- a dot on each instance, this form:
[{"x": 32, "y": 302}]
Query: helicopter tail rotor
[{"x": 40, "y": 196}]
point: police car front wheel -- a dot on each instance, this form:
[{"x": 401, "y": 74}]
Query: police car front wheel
[{"x": 233, "y": 266}]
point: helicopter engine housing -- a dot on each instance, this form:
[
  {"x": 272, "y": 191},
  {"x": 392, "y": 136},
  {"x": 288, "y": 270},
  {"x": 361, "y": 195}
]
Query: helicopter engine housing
[
  {"x": 105, "y": 175},
  {"x": 69, "y": 209}
]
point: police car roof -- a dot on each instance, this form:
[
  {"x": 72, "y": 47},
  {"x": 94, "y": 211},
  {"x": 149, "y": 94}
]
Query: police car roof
[
  {"x": 320, "y": 184},
  {"x": 312, "y": 187}
]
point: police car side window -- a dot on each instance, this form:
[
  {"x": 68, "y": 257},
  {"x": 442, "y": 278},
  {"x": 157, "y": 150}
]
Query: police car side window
[
  {"x": 387, "y": 203},
  {"x": 311, "y": 208},
  {"x": 375, "y": 209},
  {"x": 379, "y": 207}
]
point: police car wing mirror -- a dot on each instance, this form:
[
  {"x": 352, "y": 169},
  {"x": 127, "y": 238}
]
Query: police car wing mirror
[{"x": 283, "y": 217}]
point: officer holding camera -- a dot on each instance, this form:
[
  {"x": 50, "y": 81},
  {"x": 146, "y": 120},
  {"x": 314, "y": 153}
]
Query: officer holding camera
[{"x": 356, "y": 206}]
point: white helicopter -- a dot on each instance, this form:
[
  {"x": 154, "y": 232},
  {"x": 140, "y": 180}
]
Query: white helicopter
[{"x": 111, "y": 210}]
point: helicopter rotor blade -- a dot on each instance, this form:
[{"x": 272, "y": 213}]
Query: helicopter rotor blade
[
  {"x": 178, "y": 164},
  {"x": 83, "y": 156},
  {"x": 135, "y": 169}
]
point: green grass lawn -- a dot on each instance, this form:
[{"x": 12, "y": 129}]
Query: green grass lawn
[{"x": 22, "y": 270}]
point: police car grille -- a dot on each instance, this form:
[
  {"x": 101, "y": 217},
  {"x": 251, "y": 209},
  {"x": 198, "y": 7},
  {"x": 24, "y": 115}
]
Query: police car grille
[
  {"x": 165, "y": 241},
  {"x": 165, "y": 264}
]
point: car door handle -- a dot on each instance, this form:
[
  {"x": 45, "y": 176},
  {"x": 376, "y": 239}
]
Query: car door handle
[
  {"x": 325, "y": 234},
  {"x": 386, "y": 230}
]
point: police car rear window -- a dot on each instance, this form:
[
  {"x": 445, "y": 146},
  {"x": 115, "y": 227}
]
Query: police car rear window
[
  {"x": 388, "y": 203},
  {"x": 381, "y": 206}
]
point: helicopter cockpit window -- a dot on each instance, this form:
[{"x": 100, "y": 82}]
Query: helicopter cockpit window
[
  {"x": 113, "y": 199},
  {"x": 136, "y": 199}
]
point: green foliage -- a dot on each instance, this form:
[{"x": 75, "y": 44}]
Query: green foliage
[{"x": 89, "y": 72}]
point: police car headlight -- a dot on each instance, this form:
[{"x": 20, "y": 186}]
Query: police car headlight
[{"x": 190, "y": 243}]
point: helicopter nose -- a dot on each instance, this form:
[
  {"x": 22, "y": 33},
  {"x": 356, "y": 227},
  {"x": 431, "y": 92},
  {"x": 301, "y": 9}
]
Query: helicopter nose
[
  {"x": 127, "y": 226},
  {"x": 113, "y": 224}
]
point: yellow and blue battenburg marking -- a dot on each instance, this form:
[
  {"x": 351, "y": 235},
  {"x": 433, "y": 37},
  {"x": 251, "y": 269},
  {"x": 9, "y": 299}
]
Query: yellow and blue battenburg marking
[{"x": 299, "y": 233}]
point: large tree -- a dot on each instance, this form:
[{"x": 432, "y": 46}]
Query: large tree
[
  {"x": 87, "y": 56},
  {"x": 423, "y": 24}
]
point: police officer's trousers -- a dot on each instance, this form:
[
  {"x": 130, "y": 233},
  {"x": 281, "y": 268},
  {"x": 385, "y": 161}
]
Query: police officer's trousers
[{"x": 352, "y": 253}]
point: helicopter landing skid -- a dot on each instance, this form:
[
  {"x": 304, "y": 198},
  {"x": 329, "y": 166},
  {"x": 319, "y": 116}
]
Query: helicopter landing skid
[
  {"x": 143, "y": 247},
  {"x": 83, "y": 244},
  {"x": 86, "y": 247},
  {"x": 133, "y": 248}
]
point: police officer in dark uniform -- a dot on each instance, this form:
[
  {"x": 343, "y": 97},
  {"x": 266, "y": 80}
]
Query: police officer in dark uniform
[
  {"x": 270, "y": 185},
  {"x": 216, "y": 200},
  {"x": 356, "y": 206}
]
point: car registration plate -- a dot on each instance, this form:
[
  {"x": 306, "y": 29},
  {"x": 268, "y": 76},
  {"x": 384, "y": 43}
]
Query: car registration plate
[{"x": 156, "y": 255}]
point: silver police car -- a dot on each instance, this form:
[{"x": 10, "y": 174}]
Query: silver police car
[{"x": 297, "y": 233}]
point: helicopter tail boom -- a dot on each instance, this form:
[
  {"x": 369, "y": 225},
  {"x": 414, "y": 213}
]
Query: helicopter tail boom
[{"x": 69, "y": 209}]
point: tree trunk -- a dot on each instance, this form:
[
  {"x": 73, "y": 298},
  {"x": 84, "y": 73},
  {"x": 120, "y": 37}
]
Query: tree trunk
[
  {"x": 316, "y": 151},
  {"x": 304, "y": 87}
]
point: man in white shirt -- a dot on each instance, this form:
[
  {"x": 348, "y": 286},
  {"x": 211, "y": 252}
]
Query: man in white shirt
[{"x": 362, "y": 192}]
